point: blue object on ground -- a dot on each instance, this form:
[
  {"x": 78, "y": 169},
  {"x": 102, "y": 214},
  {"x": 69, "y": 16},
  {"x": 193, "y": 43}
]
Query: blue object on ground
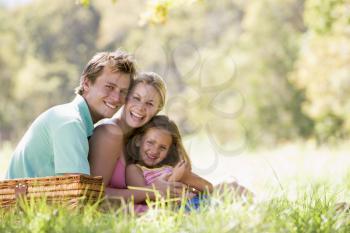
[{"x": 196, "y": 202}]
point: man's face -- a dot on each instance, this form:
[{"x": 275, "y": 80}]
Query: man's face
[{"x": 107, "y": 94}]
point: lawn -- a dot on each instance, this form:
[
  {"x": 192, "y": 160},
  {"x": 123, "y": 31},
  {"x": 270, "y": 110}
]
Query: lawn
[{"x": 296, "y": 190}]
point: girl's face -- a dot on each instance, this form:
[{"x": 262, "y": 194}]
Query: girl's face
[
  {"x": 142, "y": 104},
  {"x": 154, "y": 146}
]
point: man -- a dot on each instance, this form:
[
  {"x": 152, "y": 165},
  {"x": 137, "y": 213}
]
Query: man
[{"x": 57, "y": 141}]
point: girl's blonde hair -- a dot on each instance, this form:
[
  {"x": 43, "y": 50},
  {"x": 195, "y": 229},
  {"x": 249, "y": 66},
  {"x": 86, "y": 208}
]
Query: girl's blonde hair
[{"x": 176, "y": 151}]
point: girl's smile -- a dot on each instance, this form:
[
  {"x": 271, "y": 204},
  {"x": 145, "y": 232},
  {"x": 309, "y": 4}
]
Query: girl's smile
[{"x": 154, "y": 146}]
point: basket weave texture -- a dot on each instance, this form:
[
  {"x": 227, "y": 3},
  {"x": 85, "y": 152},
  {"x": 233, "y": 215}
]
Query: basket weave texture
[{"x": 55, "y": 189}]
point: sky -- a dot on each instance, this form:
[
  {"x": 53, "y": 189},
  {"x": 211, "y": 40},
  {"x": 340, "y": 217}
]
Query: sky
[{"x": 13, "y": 3}]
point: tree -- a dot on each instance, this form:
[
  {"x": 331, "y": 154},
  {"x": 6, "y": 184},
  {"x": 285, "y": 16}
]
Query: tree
[
  {"x": 267, "y": 50},
  {"x": 42, "y": 61},
  {"x": 323, "y": 68}
]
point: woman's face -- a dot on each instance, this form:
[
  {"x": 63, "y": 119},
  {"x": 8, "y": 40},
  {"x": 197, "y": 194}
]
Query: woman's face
[
  {"x": 154, "y": 146},
  {"x": 141, "y": 105}
]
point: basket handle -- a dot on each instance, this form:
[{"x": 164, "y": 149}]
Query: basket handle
[{"x": 20, "y": 190}]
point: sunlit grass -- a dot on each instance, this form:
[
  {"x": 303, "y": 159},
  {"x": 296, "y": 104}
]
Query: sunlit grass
[
  {"x": 311, "y": 210},
  {"x": 296, "y": 187}
]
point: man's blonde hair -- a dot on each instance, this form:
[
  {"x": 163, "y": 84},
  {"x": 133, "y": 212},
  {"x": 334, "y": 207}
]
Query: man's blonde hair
[{"x": 117, "y": 61}]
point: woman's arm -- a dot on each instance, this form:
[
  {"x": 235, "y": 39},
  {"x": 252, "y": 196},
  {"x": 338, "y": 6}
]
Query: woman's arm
[
  {"x": 129, "y": 194},
  {"x": 197, "y": 182},
  {"x": 182, "y": 172},
  {"x": 138, "y": 196},
  {"x": 106, "y": 146},
  {"x": 135, "y": 178},
  {"x": 236, "y": 187}
]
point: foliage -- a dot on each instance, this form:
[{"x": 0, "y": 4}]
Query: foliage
[
  {"x": 42, "y": 63},
  {"x": 244, "y": 73},
  {"x": 269, "y": 43},
  {"x": 322, "y": 70}
]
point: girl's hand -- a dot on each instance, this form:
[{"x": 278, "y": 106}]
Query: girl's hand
[
  {"x": 165, "y": 187},
  {"x": 187, "y": 170},
  {"x": 180, "y": 171}
]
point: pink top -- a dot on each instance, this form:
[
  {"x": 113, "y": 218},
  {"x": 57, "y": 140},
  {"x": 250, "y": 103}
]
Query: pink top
[
  {"x": 150, "y": 174},
  {"x": 118, "y": 177},
  {"x": 118, "y": 181}
]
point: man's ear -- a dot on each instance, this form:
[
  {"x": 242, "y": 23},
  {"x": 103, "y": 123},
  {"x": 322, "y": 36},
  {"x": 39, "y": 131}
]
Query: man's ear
[{"x": 86, "y": 84}]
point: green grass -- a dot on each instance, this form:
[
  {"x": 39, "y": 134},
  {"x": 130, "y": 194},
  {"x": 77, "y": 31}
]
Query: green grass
[
  {"x": 312, "y": 209},
  {"x": 296, "y": 187}
]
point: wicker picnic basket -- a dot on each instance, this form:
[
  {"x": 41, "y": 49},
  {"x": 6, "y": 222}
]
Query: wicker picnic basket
[{"x": 67, "y": 189}]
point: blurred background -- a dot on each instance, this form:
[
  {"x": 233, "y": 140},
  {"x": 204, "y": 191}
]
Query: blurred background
[{"x": 257, "y": 87}]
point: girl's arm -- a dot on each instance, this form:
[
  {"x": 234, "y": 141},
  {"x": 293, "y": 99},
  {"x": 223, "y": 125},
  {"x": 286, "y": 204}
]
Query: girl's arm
[{"x": 134, "y": 176}]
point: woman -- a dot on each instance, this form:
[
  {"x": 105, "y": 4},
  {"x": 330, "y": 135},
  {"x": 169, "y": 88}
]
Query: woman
[{"x": 106, "y": 156}]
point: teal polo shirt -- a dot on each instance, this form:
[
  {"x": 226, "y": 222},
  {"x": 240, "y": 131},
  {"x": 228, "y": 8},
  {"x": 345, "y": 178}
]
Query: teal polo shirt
[{"x": 56, "y": 143}]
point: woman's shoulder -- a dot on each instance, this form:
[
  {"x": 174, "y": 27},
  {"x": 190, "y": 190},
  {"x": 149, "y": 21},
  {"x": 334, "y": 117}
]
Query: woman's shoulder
[
  {"x": 107, "y": 122},
  {"x": 109, "y": 126}
]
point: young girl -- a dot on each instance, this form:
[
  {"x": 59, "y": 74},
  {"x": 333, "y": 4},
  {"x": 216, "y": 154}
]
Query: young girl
[{"x": 156, "y": 150}]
